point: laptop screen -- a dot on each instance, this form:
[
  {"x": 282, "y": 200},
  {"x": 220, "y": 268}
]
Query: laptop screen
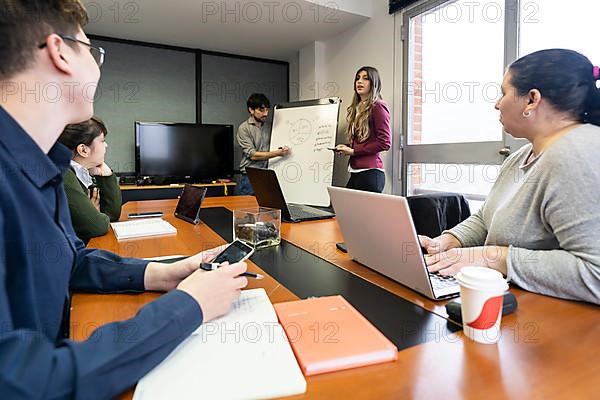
[{"x": 266, "y": 188}]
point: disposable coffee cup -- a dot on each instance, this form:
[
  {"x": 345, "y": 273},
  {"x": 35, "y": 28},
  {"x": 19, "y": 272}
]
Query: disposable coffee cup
[{"x": 481, "y": 292}]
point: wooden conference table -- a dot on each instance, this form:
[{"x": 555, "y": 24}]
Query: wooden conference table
[{"x": 549, "y": 348}]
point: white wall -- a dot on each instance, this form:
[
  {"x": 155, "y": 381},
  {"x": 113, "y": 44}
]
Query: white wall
[{"x": 369, "y": 43}]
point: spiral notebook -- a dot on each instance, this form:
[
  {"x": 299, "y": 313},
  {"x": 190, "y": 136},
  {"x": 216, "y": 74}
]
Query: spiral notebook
[
  {"x": 243, "y": 355},
  {"x": 142, "y": 228}
]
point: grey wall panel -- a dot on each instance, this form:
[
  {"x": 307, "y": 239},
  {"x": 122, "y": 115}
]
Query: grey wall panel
[
  {"x": 228, "y": 82},
  {"x": 141, "y": 83}
]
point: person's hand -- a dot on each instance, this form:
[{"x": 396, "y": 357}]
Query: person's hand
[
  {"x": 95, "y": 197},
  {"x": 284, "y": 151},
  {"x": 165, "y": 277},
  {"x": 344, "y": 150},
  {"x": 215, "y": 291},
  {"x": 439, "y": 244},
  {"x": 100, "y": 170},
  {"x": 451, "y": 261}
]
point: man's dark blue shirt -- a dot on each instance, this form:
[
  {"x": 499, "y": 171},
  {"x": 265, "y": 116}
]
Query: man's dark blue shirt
[{"x": 41, "y": 262}]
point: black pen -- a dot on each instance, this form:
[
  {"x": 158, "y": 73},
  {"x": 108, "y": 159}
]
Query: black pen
[{"x": 213, "y": 266}]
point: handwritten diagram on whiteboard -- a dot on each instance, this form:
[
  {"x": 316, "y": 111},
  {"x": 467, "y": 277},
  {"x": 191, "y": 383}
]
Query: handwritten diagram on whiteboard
[{"x": 307, "y": 171}]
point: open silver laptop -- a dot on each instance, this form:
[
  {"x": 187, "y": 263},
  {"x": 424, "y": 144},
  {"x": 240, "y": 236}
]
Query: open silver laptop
[{"x": 379, "y": 232}]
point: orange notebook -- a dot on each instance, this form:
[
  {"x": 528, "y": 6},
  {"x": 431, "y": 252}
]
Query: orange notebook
[{"x": 328, "y": 334}]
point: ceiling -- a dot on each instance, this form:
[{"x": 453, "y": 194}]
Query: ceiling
[{"x": 268, "y": 29}]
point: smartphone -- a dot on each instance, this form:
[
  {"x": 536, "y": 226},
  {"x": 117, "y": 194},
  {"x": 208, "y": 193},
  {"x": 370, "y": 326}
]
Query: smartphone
[
  {"x": 236, "y": 251},
  {"x": 145, "y": 214}
]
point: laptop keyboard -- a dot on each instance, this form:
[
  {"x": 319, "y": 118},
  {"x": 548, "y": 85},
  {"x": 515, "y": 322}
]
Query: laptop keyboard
[
  {"x": 299, "y": 212},
  {"x": 440, "y": 282}
]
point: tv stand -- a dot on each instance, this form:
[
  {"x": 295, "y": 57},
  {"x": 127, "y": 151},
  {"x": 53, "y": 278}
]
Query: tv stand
[{"x": 172, "y": 191}]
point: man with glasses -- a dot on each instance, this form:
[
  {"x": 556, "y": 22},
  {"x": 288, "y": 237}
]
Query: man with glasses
[
  {"x": 41, "y": 259},
  {"x": 97, "y": 52},
  {"x": 254, "y": 138}
]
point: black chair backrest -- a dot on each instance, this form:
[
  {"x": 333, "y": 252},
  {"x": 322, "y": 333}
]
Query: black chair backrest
[{"x": 434, "y": 213}]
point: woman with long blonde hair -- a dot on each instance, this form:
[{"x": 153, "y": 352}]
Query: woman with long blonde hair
[{"x": 368, "y": 133}]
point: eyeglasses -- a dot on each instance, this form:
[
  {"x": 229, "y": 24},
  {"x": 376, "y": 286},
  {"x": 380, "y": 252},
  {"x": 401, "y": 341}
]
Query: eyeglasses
[{"x": 97, "y": 52}]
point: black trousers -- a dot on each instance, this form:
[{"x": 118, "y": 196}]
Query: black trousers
[{"x": 372, "y": 180}]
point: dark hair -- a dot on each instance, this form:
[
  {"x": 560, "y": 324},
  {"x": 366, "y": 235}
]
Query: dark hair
[
  {"x": 564, "y": 77},
  {"x": 25, "y": 24},
  {"x": 258, "y": 100},
  {"x": 82, "y": 133}
]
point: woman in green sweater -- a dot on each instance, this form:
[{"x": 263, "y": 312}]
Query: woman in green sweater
[{"x": 91, "y": 187}]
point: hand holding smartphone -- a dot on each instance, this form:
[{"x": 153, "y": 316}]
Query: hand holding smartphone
[{"x": 235, "y": 252}]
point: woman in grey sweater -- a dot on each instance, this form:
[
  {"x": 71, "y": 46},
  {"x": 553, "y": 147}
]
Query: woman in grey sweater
[{"x": 540, "y": 224}]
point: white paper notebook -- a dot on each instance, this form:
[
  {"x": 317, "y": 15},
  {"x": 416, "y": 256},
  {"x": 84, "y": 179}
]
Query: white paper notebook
[
  {"x": 244, "y": 355},
  {"x": 142, "y": 227}
]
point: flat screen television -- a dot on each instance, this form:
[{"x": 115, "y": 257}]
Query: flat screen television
[{"x": 177, "y": 153}]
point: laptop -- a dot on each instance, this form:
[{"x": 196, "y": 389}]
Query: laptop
[
  {"x": 379, "y": 232},
  {"x": 269, "y": 194}
]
